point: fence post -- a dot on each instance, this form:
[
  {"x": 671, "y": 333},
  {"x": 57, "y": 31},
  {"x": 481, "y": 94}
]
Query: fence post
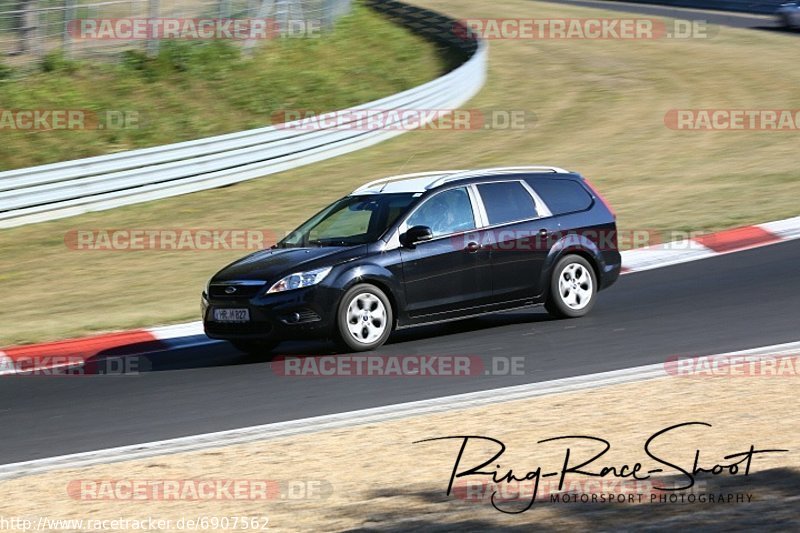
[
  {"x": 332, "y": 10},
  {"x": 38, "y": 35},
  {"x": 327, "y": 14},
  {"x": 224, "y": 9},
  {"x": 24, "y": 23},
  {"x": 69, "y": 16},
  {"x": 152, "y": 40},
  {"x": 261, "y": 12}
]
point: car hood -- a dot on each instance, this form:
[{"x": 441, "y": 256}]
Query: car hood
[{"x": 273, "y": 264}]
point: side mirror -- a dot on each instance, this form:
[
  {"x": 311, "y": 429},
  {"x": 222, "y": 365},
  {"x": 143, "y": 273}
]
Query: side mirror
[{"x": 416, "y": 235}]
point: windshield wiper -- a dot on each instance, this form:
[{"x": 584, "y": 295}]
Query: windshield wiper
[{"x": 330, "y": 242}]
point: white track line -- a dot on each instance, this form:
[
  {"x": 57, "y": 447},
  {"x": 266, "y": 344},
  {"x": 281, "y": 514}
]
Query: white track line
[
  {"x": 353, "y": 418},
  {"x": 786, "y": 229},
  {"x": 665, "y": 255}
]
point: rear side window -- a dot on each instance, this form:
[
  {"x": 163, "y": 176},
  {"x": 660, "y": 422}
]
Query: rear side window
[
  {"x": 561, "y": 195},
  {"x": 507, "y": 201}
]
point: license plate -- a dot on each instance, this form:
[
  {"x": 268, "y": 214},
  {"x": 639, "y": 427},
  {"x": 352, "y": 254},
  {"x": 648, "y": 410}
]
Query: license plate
[{"x": 232, "y": 315}]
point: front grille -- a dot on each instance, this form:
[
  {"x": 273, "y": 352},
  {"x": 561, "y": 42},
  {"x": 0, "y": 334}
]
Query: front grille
[{"x": 218, "y": 290}]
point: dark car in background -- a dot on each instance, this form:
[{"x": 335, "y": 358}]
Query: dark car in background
[
  {"x": 420, "y": 249},
  {"x": 788, "y": 15}
]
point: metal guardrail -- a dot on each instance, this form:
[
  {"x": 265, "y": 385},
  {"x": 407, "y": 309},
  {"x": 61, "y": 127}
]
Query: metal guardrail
[{"x": 59, "y": 190}]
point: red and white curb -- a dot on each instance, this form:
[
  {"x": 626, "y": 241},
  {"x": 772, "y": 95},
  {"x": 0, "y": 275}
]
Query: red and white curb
[
  {"x": 36, "y": 358},
  {"x": 701, "y": 247},
  {"x": 70, "y": 353}
]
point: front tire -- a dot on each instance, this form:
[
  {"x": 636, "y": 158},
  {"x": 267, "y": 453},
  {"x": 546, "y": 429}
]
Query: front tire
[
  {"x": 573, "y": 288},
  {"x": 364, "y": 319}
]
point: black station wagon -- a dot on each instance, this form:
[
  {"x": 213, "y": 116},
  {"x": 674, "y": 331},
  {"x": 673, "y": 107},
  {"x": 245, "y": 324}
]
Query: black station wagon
[{"x": 419, "y": 249}]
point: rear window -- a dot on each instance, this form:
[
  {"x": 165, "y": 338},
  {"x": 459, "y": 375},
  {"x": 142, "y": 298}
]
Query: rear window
[
  {"x": 562, "y": 196},
  {"x": 507, "y": 201}
]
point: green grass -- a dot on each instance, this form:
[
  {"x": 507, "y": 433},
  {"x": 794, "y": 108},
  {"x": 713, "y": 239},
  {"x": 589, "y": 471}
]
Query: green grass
[
  {"x": 600, "y": 107},
  {"x": 196, "y": 89}
]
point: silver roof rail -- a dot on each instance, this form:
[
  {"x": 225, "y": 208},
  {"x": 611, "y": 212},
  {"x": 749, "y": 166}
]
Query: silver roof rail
[
  {"x": 493, "y": 172},
  {"x": 384, "y": 181}
]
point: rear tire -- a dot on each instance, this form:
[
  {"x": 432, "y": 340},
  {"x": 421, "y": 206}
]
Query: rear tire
[
  {"x": 364, "y": 319},
  {"x": 573, "y": 288}
]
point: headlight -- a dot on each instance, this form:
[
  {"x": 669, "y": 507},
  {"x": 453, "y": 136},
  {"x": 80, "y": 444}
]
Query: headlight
[{"x": 300, "y": 279}]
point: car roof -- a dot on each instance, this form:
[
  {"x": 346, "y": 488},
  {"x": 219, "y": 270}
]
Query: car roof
[{"x": 424, "y": 181}]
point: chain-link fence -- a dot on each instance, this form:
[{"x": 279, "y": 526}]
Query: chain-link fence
[{"x": 30, "y": 29}]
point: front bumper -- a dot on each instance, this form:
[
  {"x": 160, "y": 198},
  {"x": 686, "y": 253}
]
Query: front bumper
[{"x": 292, "y": 315}]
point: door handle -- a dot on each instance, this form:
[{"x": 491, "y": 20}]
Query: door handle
[
  {"x": 472, "y": 247},
  {"x": 543, "y": 233}
]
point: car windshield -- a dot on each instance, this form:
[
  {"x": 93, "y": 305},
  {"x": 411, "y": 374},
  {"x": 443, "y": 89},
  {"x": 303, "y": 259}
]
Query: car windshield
[{"x": 350, "y": 221}]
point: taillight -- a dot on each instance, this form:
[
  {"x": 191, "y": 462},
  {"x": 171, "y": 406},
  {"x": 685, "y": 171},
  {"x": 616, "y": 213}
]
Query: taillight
[{"x": 600, "y": 197}]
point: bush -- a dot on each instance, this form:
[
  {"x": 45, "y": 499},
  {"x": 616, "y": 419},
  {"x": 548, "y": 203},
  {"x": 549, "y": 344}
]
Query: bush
[
  {"x": 134, "y": 60},
  {"x": 208, "y": 57},
  {"x": 5, "y": 71},
  {"x": 56, "y": 62}
]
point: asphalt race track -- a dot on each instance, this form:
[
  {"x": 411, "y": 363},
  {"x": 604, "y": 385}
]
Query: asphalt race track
[{"x": 725, "y": 303}]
